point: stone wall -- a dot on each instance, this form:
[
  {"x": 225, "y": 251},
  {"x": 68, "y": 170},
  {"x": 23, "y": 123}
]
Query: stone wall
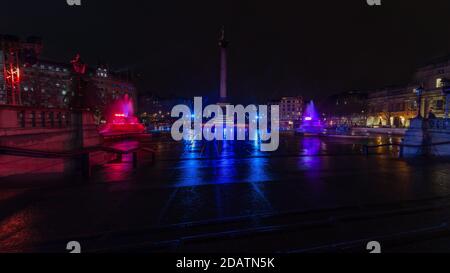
[
  {"x": 425, "y": 132},
  {"x": 17, "y": 130}
]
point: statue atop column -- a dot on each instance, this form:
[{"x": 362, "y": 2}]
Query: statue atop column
[
  {"x": 223, "y": 44},
  {"x": 77, "y": 64}
]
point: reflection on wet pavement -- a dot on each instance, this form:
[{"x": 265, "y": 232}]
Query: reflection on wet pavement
[{"x": 198, "y": 181}]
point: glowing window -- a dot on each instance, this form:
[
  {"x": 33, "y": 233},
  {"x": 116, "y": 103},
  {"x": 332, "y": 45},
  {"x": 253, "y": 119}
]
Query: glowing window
[{"x": 439, "y": 83}]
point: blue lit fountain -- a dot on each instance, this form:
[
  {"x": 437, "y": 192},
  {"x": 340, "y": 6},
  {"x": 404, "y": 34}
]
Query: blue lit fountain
[{"x": 311, "y": 124}]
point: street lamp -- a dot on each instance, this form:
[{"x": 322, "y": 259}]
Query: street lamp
[
  {"x": 419, "y": 91},
  {"x": 446, "y": 92}
]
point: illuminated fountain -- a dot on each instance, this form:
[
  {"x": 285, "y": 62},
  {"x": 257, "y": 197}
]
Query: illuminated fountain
[
  {"x": 121, "y": 119},
  {"x": 311, "y": 124}
]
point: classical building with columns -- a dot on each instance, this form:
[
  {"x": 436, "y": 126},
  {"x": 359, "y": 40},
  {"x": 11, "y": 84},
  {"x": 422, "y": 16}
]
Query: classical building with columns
[
  {"x": 395, "y": 106},
  {"x": 391, "y": 107}
]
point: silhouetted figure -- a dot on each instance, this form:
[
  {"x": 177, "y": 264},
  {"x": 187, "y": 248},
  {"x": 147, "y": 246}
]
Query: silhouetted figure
[
  {"x": 78, "y": 66},
  {"x": 431, "y": 115}
]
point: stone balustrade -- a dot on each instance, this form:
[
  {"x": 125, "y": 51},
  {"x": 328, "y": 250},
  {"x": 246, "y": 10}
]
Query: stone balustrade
[
  {"x": 439, "y": 124},
  {"x": 427, "y": 137},
  {"x": 48, "y": 130}
]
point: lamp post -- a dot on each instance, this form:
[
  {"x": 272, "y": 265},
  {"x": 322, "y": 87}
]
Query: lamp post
[
  {"x": 446, "y": 92},
  {"x": 419, "y": 91}
]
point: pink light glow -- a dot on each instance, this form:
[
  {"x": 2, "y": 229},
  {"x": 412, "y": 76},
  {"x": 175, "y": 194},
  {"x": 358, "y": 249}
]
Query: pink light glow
[
  {"x": 120, "y": 118},
  {"x": 308, "y": 118}
]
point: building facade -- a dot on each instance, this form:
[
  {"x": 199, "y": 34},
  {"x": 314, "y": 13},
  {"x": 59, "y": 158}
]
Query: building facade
[
  {"x": 391, "y": 107},
  {"x": 155, "y": 112},
  {"x": 46, "y": 84},
  {"x": 347, "y": 109},
  {"x": 395, "y": 106},
  {"x": 112, "y": 85},
  {"x": 291, "y": 112},
  {"x": 26, "y": 80}
]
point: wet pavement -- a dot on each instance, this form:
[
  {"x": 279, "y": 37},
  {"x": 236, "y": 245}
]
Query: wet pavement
[{"x": 221, "y": 187}]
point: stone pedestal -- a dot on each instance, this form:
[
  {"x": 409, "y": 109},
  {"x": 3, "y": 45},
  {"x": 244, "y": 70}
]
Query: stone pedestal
[
  {"x": 426, "y": 134},
  {"x": 415, "y": 135},
  {"x": 439, "y": 132}
]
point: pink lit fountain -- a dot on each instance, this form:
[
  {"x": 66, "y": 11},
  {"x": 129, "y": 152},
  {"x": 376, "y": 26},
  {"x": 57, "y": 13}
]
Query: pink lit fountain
[
  {"x": 311, "y": 122},
  {"x": 121, "y": 119}
]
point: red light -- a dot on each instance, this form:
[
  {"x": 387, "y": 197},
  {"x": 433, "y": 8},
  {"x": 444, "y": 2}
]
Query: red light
[
  {"x": 13, "y": 75},
  {"x": 122, "y": 124}
]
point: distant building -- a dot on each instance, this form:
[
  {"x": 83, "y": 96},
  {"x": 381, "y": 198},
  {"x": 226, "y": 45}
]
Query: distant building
[
  {"x": 28, "y": 80},
  {"x": 347, "y": 108},
  {"x": 155, "y": 111},
  {"x": 431, "y": 77},
  {"x": 395, "y": 106},
  {"x": 391, "y": 107},
  {"x": 112, "y": 85},
  {"x": 291, "y": 112},
  {"x": 14, "y": 55},
  {"x": 46, "y": 84}
]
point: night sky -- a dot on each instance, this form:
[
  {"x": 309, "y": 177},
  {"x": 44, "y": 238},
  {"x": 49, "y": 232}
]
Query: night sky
[{"x": 278, "y": 48}]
